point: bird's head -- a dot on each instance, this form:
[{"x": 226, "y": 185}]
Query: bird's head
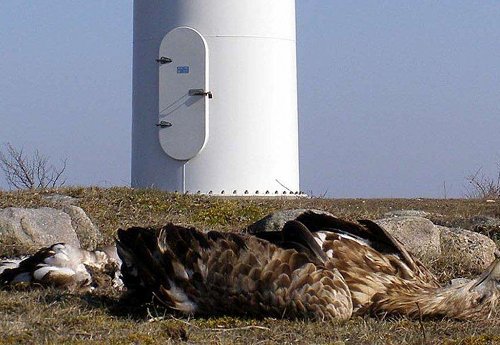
[{"x": 487, "y": 285}]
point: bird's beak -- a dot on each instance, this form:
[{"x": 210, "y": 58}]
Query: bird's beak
[{"x": 492, "y": 272}]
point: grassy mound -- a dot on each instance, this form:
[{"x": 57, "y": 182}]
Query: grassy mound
[{"x": 51, "y": 316}]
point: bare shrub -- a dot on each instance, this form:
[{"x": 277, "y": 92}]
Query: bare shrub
[
  {"x": 23, "y": 171},
  {"x": 482, "y": 186}
]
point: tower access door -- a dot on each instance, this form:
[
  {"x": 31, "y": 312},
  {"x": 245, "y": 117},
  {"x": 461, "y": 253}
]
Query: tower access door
[{"x": 183, "y": 93}]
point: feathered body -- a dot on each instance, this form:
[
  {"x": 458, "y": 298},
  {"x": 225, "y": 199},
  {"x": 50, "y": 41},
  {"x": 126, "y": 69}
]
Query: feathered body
[
  {"x": 384, "y": 278},
  {"x": 223, "y": 273},
  {"x": 318, "y": 266},
  {"x": 62, "y": 265}
]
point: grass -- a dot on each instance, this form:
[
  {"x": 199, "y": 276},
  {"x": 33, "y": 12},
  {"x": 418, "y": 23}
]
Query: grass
[{"x": 49, "y": 316}]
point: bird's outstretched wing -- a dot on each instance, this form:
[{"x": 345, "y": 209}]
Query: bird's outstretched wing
[
  {"x": 370, "y": 259},
  {"x": 295, "y": 235},
  {"x": 368, "y": 233}
]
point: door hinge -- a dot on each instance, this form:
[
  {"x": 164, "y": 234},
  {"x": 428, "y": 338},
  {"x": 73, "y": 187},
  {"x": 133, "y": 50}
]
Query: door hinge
[{"x": 164, "y": 124}]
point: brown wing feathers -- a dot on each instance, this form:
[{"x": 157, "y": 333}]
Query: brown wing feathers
[
  {"x": 374, "y": 236},
  {"x": 318, "y": 267},
  {"x": 366, "y": 231},
  {"x": 371, "y": 261},
  {"x": 296, "y": 235},
  {"x": 232, "y": 274}
]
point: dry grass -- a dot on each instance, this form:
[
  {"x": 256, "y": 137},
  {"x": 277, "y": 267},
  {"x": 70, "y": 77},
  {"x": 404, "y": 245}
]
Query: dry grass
[{"x": 50, "y": 316}]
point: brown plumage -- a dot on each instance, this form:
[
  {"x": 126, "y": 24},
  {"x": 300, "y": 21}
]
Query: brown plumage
[
  {"x": 384, "y": 278},
  {"x": 223, "y": 273},
  {"x": 317, "y": 266}
]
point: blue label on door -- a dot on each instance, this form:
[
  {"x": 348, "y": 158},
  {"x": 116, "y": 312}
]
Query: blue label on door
[{"x": 182, "y": 69}]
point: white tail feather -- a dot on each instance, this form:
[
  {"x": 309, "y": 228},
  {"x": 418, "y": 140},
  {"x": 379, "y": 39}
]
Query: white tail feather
[{"x": 40, "y": 273}]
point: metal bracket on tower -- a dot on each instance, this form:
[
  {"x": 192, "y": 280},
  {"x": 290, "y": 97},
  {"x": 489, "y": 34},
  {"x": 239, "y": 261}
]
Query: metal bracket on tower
[
  {"x": 200, "y": 92},
  {"x": 163, "y": 60},
  {"x": 164, "y": 124}
]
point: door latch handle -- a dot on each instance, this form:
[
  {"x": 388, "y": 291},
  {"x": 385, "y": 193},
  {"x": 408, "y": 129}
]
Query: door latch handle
[
  {"x": 200, "y": 92},
  {"x": 163, "y": 60},
  {"x": 164, "y": 124}
]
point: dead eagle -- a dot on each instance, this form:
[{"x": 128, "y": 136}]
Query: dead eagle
[{"x": 317, "y": 266}]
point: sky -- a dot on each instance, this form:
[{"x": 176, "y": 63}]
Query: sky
[{"x": 396, "y": 98}]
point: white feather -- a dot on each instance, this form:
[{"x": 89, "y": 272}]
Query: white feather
[
  {"x": 40, "y": 273},
  {"x": 58, "y": 259},
  {"x": 359, "y": 240},
  {"x": 182, "y": 301},
  {"x": 9, "y": 263},
  {"x": 320, "y": 238}
]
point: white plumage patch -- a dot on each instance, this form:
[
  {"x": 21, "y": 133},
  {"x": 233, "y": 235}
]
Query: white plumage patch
[
  {"x": 320, "y": 238},
  {"x": 40, "y": 273},
  {"x": 181, "y": 300},
  {"x": 359, "y": 240},
  {"x": 57, "y": 259},
  {"x": 10, "y": 263},
  {"x": 62, "y": 265},
  {"x": 179, "y": 270}
]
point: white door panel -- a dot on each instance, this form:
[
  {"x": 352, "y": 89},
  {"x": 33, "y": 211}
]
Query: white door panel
[{"x": 183, "y": 93}]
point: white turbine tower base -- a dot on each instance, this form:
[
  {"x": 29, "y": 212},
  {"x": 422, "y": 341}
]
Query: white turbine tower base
[{"x": 215, "y": 97}]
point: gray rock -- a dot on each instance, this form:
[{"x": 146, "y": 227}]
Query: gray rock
[
  {"x": 485, "y": 221},
  {"x": 32, "y": 228},
  {"x": 86, "y": 231},
  {"x": 473, "y": 250},
  {"x": 419, "y": 235},
  {"x": 488, "y": 226},
  {"x": 60, "y": 199},
  {"x": 469, "y": 250},
  {"x": 36, "y": 227},
  {"x": 407, "y": 213},
  {"x": 275, "y": 221}
]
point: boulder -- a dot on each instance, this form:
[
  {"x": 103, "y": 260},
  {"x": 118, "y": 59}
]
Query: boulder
[
  {"x": 23, "y": 229},
  {"x": 486, "y": 221},
  {"x": 32, "y": 228},
  {"x": 87, "y": 232},
  {"x": 60, "y": 199},
  {"x": 474, "y": 251},
  {"x": 275, "y": 221},
  {"x": 419, "y": 235},
  {"x": 407, "y": 213},
  {"x": 488, "y": 226}
]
